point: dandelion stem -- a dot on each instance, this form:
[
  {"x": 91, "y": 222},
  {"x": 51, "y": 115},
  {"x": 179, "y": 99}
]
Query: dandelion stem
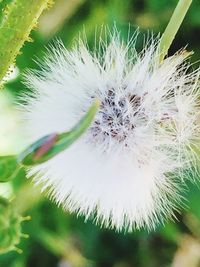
[
  {"x": 19, "y": 17},
  {"x": 173, "y": 26}
]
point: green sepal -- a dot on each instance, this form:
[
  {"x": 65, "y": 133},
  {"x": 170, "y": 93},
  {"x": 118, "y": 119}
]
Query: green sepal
[{"x": 50, "y": 145}]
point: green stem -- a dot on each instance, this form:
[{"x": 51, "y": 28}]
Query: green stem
[
  {"x": 173, "y": 27},
  {"x": 19, "y": 18}
]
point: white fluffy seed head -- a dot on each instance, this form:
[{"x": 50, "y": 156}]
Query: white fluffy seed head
[{"x": 126, "y": 170}]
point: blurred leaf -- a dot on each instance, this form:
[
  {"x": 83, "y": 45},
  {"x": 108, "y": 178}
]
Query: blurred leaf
[
  {"x": 62, "y": 247},
  {"x": 9, "y": 168},
  {"x": 54, "y": 18},
  {"x": 171, "y": 232}
]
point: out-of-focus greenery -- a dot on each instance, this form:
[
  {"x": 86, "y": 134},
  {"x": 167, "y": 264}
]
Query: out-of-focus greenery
[{"x": 58, "y": 239}]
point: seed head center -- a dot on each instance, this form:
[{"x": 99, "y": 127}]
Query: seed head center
[{"x": 116, "y": 117}]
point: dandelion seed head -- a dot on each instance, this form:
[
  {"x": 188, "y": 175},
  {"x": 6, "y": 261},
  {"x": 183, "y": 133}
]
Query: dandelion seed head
[{"x": 126, "y": 170}]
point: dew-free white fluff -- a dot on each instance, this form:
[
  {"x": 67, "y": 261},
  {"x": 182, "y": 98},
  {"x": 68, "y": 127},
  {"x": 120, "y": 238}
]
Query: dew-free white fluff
[{"x": 126, "y": 170}]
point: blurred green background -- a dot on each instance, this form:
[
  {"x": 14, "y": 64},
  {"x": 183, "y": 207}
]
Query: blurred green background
[{"x": 58, "y": 239}]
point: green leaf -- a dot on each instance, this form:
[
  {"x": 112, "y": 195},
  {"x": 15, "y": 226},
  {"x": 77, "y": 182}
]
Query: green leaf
[
  {"x": 9, "y": 168},
  {"x": 50, "y": 145}
]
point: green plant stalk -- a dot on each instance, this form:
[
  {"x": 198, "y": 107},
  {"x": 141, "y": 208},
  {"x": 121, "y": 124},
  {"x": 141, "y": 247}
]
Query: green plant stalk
[
  {"x": 173, "y": 27},
  {"x": 19, "y": 18}
]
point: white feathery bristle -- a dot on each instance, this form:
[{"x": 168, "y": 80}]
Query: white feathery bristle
[{"x": 127, "y": 169}]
